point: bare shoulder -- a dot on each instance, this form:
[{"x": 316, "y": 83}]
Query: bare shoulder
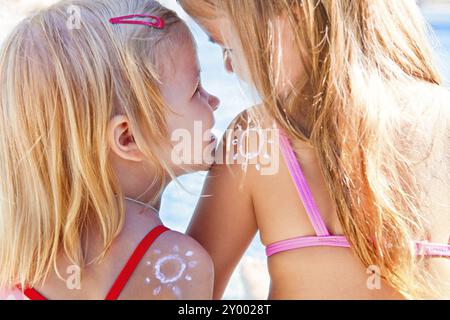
[
  {"x": 175, "y": 267},
  {"x": 251, "y": 117},
  {"x": 248, "y": 145}
]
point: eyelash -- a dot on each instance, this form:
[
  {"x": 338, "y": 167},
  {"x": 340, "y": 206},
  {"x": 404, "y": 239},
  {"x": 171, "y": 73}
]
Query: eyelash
[
  {"x": 223, "y": 48},
  {"x": 199, "y": 88}
]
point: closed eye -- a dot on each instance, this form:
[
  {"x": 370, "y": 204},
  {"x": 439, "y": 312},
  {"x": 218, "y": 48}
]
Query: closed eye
[
  {"x": 212, "y": 40},
  {"x": 221, "y": 45},
  {"x": 198, "y": 89}
]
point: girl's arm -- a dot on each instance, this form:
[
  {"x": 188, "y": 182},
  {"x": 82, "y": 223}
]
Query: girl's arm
[{"x": 224, "y": 222}]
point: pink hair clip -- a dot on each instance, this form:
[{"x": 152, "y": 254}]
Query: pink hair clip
[{"x": 155, "y": 22}]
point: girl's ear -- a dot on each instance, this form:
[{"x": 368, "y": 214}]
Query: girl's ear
[{"x": 121, "y": 140}]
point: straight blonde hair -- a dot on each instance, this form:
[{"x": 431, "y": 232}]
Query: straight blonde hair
[
  {"x": 360, "y": 56},
  {"x": 60, "y": 87}
]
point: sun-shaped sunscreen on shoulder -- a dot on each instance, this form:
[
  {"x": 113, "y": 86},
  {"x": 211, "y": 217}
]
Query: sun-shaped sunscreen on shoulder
[{"x": 170, "y": 269}]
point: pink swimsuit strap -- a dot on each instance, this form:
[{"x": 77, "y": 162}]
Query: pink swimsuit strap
[
  {"x": 302, "y": 187},
  {"x": 305, "y": 242},
  {"x": 422, "y": 247},
  {"x": 323, "y": 237}
]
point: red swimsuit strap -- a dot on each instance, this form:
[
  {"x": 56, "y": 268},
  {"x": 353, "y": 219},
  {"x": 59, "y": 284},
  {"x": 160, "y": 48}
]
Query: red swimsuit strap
[
  {"x": 31, "y": 293},
  {"x": 133, "y": 262}
]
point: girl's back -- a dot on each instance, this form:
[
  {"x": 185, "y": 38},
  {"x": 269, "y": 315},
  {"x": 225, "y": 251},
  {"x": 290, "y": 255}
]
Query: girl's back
[
  {"x": 335, "y": 272},
  {"x": 272, "y": 205}
]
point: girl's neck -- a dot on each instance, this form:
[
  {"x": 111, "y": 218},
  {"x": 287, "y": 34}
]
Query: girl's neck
[
  {"x": 93, "y": 244},
  {"x": 155, "y": 208}
]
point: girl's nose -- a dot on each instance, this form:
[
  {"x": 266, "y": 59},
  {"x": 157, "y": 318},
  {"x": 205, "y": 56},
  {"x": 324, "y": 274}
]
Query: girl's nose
[{"x": 213, "y": 102}]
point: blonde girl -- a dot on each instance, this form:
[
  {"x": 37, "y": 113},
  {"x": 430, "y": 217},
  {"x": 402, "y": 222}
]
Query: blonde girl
[
  {"x": 91, "y": 92},
  {"x": 364, "y": 122}
]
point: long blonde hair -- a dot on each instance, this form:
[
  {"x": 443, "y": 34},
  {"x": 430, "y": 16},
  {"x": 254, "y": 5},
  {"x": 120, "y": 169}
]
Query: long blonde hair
[
  {"x": 358, "y": 56},
  {"x": 60, "y": 87}
]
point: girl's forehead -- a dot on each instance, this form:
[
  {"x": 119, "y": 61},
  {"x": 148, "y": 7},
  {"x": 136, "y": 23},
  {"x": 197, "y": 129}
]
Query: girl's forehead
[{"x": 183, "y": 67}]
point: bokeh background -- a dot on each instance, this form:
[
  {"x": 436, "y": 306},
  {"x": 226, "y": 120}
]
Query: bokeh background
[{"x": 250, "y": 280}]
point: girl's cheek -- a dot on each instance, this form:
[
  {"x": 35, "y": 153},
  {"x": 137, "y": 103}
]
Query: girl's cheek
[
  {"x": 203, "y": 95},
  {"x": 204, "y": 114}
]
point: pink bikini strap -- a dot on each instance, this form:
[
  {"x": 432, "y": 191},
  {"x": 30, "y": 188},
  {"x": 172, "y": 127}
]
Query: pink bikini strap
[
  {"x": 432, "y": 249},
  {"x": 306, "y": 242},
  {"x": 302, "y": 187}
]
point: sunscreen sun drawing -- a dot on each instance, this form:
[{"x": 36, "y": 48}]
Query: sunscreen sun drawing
[{"x": 170, "y": 269}]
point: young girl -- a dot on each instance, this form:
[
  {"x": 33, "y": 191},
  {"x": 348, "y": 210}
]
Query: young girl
[
  {"x": 360, "y": 206},
  {"x": 92, "y": 91}
]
